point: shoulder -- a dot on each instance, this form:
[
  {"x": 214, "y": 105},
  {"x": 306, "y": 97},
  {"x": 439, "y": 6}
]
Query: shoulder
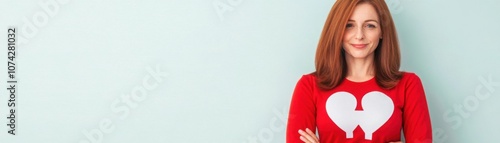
[
  {"x": 309, "y": 76},
  {"x": 307, "y": 80},
  {"x": 410, "y": 79},
  {"x": 410, "y": 76}
]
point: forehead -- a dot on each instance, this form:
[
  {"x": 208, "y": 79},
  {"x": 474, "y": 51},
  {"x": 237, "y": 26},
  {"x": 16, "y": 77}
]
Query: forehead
[{"x": 364, "y": 11}]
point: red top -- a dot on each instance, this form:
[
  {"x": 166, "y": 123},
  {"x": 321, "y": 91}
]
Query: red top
[{"x": 360, "y": 112}]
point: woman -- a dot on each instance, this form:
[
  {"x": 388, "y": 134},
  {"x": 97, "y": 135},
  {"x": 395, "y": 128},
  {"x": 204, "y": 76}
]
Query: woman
[{"x": 357, "y": 93}]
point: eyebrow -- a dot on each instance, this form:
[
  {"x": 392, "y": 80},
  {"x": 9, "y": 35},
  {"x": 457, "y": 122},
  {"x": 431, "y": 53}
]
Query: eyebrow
[{"x": 350, "y": 20}]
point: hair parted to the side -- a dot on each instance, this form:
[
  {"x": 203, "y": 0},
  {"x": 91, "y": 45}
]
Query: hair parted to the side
[{"x": 330, "y": 62}]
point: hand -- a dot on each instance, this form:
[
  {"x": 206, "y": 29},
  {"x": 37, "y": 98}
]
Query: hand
[{"x": 308, "y": 136}]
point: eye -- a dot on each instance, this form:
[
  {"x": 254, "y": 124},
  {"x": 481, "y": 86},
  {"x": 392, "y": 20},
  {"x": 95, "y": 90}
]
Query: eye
[
  {"x": 349, "y": 25},
  {"x": 371, "y": 26}
]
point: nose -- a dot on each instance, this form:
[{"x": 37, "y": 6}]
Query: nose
[{"x": 360, "y": 35}]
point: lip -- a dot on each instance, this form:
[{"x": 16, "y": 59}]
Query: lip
[{"x": 359, "y": 46}]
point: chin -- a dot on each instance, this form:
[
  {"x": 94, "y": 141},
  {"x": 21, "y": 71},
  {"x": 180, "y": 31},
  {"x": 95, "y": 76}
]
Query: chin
[{"x": 357, "y": 54}]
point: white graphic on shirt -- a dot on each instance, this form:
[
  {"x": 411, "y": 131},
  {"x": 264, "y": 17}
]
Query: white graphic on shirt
[{"x": 377, "y": 108}]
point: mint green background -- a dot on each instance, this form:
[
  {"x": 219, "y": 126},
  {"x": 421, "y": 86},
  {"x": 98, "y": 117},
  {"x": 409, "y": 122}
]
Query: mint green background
[{"x": 231, "y": 79}]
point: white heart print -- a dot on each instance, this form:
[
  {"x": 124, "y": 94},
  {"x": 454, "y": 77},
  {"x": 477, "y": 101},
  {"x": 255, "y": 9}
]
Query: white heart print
[{"x": 377, "y": 109}]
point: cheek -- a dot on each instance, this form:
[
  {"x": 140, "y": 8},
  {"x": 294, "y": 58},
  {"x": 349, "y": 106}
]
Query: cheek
[
  {"x": 347, "y": 35},
  {"x": 373, "y": 36}
]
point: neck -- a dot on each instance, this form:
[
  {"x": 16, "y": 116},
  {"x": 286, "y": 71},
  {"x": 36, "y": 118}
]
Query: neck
[{"x": 360, "y": 69}]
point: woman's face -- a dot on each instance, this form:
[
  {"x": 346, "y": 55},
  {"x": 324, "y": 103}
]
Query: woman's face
[{"x": 362, "y": 32}]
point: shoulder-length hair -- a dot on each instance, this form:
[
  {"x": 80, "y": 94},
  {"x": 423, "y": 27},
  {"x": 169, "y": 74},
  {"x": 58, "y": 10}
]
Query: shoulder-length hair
[{"x": 330, "y": 63}]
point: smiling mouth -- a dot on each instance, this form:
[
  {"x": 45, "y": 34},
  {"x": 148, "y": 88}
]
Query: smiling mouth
[{"x": 359, "y": 46}]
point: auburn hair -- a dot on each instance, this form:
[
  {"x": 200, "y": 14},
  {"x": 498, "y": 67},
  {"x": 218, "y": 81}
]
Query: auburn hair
[{"x": 330, "y": 62}]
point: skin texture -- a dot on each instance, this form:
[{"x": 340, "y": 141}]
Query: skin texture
[{"x": 361, "y": 38}]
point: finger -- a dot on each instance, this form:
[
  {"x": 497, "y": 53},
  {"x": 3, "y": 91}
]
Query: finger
[
  {"x": 302, "y": 138},
  {"x": 306, "y": 136},
  {"x": 311, "y": 133}
]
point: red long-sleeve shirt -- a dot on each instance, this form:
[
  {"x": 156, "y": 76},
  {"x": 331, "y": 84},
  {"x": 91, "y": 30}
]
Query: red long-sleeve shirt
[{"x": 360, "y": 112}]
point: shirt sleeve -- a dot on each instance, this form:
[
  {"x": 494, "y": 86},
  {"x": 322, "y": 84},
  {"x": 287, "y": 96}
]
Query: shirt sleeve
[
  {"x": 416, "y": 119},
  {"x": 302, "y": 113}
]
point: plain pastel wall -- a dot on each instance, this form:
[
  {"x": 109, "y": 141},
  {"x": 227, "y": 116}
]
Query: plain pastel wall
[{"x": 227, "y": 68}]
